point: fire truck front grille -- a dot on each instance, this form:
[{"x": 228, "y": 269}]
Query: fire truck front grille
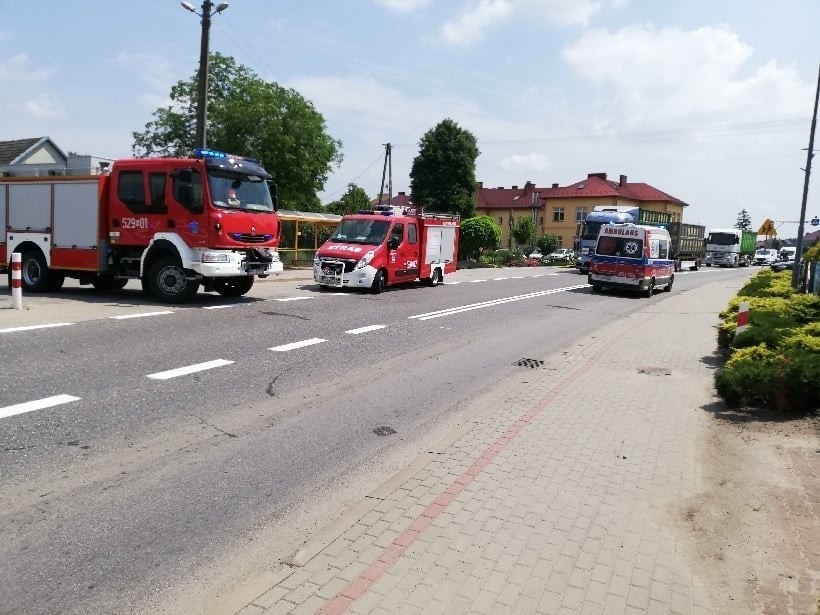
[
  {"x": 242, "y": 237},
  {"x": 349, "y": 264}
]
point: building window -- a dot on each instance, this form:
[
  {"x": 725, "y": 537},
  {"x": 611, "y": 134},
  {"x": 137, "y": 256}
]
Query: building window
[
  {"x": 540, "y": 220},
  {"x": 560, "y": 241},
  {"x": 500, "y": 219},
  {"x": 580, "y": 214},
  {"x": 558, "y": 214}
]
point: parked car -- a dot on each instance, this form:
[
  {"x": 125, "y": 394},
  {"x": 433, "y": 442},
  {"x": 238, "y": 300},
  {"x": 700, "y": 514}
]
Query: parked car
[
  {"x": 564, "y": 255},
  {"x": 765, "y": 256},
  {"x": 783, "y": 265}
]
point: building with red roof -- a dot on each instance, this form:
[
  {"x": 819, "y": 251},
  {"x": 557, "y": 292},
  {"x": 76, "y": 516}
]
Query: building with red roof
[{"x": 559, "y": 209}]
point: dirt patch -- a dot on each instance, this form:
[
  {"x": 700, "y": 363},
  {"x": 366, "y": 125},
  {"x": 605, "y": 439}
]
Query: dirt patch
[{"x": 752, "y": 530}]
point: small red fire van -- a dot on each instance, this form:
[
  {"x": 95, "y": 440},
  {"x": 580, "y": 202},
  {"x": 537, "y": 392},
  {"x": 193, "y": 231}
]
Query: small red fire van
[{"x": 377, "y": 248}]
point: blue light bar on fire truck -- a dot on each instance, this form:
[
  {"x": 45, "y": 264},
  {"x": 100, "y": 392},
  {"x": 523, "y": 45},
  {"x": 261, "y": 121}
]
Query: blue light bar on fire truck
[{"x": 202, "y": 152}]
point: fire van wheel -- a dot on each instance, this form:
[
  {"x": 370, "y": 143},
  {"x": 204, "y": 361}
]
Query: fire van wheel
[
  {"x": 650, "y": 290},
  {"x": 233, "y": 287},
  {"x": 34, "y": 272},
  {"x": 167, "y": 281},
  {"x": 379, "y": 282}
]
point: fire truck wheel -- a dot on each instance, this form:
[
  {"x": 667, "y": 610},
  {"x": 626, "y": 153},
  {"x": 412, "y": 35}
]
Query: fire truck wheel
[
  {"x": 379, "y": 283},
  {"x": 55, "y": 280},
  {"x": 34, "y": 272},
  {"x": 168, "y": 283},
  {"x": 650, "y": 290},
  {"x": 107, "y": 282},
  {"x": 233, "y": 287}
]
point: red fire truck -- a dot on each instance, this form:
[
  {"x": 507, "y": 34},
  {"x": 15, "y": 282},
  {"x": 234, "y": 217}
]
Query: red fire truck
[
  {"x": 377, "y": 248},
  {"x": 172, "y": 223}
]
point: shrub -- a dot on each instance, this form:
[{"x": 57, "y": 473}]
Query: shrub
[{"x": 750, "y": 376}]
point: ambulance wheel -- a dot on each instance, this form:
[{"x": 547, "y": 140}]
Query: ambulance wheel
[
  {"x": 650, "y": 290},
  {"x": 34, "y": 272},
  {"x": 233, "y": 287},
  {"x": 668, "y": 287},
  {"x": 107, "y": 282},
  {"x": 379, "y": 282},
  {"x": 167, "y": 281}
]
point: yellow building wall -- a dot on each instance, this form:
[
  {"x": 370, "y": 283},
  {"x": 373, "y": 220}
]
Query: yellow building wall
[{"x": 573, "y": 211}]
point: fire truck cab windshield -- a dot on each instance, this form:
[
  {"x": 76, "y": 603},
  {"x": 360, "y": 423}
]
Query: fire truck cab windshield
[{"x": 231, "y": 190}]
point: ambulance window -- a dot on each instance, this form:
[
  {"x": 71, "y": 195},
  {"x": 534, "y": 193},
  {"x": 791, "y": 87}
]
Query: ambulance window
[
  {"x": 412, "y": 234},
  {"x": 663, "y": 248},
  {"x": 131, "y": 190},
  {"x": 156, "y": 181}
]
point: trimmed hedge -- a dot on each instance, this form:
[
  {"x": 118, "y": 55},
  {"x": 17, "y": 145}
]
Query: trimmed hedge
[{"x": 775, "y": 362}]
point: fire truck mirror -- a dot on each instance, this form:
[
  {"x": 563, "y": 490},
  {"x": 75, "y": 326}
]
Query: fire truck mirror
[{"x": 273, "y": 194}]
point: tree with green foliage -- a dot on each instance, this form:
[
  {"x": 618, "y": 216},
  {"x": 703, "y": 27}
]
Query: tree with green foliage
[
  {"x": 355, "y": 199},
  {"x": 477, "y": 234},
  {"x": 744, "y": 221},
  {"x": 547, "y": 243},
  {"x": 249, "y": 117},
  {"x": 524, "y": 232},
  {"x": 442, "y": 176}
]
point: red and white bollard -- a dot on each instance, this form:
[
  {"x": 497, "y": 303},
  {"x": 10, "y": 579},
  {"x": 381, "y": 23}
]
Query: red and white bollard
[
  {"x": 742, "y": 316},
  {"x": 16, "y": 281}
]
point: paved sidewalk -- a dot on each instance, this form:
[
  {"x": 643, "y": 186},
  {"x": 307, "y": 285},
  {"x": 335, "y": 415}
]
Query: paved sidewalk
[{"x": 553, "y": 502}]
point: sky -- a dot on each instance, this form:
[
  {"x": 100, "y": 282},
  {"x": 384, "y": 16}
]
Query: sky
[{"x": 710, "y": 101}]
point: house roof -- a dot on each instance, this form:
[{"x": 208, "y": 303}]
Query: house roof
[
  {"x": 595, "y": 185},
  {"x": 11, "y": 151}
]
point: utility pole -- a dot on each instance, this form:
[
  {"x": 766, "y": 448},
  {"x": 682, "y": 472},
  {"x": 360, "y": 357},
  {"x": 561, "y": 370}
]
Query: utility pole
[
  {"x": 388, "y": 166},
  {"x": 202, "y": 80},
  {"x": 809, "y": 156}
]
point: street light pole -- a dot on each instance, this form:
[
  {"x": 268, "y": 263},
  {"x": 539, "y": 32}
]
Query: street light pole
[{"x": 202, "y": 80}]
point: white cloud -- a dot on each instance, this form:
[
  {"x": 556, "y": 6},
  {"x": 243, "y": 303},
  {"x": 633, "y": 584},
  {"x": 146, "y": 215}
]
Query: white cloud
[
  {"x": 43, "y": 107},
  {"x": 481, "y": 15},
  {"x": 20, "y": 68},
  {"x": 650, "y": 76},
  {"x": 526, "y": 165},
  {"x": 403, "y": 6}
]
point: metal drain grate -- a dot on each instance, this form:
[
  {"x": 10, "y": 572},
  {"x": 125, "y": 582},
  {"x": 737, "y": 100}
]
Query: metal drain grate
[
  {"x": 531, "y": 363},
  {"x": 384, "y": 431},
  {"x": 656, "y": 371}
]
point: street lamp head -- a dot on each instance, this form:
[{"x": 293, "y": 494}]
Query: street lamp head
[
  {"x": 188, "y": 6},
  {"x": 221, "y": 7}
]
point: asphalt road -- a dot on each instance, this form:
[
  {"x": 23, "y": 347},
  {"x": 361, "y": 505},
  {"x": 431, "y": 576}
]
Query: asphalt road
[{"x": 220, "y": 432}]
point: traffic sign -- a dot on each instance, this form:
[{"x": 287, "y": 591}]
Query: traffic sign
[
  {"x": 767, "y": 228},
  {"x": 815, "y": 221}
]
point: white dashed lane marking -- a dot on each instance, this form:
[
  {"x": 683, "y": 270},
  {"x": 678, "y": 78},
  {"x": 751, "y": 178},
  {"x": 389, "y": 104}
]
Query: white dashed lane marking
[
  {"x": 32, "y": 327},
  {"x": 367, "y": 329},
  {"x": 295, "y": 345},
  {"x": 143, "y": 315},
  {"x": 38, "y": 404},
  {"x": 294, "y": 299},
  {"x": 190, "y": 369}
]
